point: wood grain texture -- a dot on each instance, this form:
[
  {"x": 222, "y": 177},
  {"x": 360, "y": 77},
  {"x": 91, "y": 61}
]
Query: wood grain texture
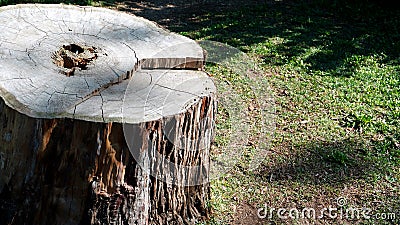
[
  {"x": 101, "y": 115},
  {"x": 65, "y": 171},
  {"x": 32, "y": 83}
]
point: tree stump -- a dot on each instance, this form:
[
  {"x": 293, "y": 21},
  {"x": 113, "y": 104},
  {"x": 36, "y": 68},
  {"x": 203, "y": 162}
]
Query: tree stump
[{"x": 105, "y": 117}]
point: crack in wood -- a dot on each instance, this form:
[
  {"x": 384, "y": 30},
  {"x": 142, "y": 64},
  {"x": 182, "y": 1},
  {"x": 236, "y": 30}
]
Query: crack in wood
[
  {"x": 177, "y": 90},
  {"x": 102, "y": 105}
]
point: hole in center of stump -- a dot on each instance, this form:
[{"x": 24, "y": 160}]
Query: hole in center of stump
[{"x": 73, "y": 56}]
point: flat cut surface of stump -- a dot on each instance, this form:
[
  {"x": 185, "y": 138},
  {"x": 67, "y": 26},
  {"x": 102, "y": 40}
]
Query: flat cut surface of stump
[
  {"x": 36, "y": 81},
  {"x": 149, "y": 95}
]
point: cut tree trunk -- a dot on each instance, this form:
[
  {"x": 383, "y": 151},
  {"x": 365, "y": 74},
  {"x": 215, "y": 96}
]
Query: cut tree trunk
[{"x": 105, "y": 118}]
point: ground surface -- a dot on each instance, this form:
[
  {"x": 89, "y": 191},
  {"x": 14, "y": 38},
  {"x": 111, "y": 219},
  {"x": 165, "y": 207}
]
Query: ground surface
[{"x": 335, "y": 75}]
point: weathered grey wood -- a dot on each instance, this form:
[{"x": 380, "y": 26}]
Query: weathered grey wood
[
  {"x": 149, "y": 95},
  {"x": 101, "y": 115},
  {"x": 33, "y": 84}
]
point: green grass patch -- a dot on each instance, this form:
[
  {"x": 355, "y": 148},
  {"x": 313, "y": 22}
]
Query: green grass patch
[{"x": 336, "y": 77}]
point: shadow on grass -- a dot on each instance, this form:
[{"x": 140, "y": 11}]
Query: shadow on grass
[
  {"x": 325, "y": 35},
  {"x": 340, "y": 167},
  {"x": 337, "y": 163}
]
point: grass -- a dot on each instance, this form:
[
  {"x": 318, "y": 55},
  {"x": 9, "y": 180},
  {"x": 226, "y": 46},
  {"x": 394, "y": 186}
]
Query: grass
[
  {"x": 334, "y": 71},
  {"x": 335, "y": 74}
]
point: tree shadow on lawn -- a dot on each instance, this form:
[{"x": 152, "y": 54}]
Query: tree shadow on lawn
[
  {"x": 337, "y": 163},
  {"x": 323, "y": 35},
  {"x": 364, "y": 175}
]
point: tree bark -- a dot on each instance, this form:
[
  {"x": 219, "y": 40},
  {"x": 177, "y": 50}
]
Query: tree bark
[{"x": 97, "y": 129}]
